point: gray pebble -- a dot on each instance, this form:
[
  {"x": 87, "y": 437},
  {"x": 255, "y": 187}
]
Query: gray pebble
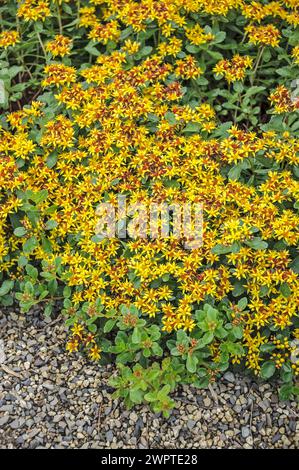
[
  {"x": 109, "y": 436},
  {"x": 3, "y": 420},
  {"x": 229, "y": 376},
  {"x": 15, "y": 424},
  {"x": 245, "y": 431}
]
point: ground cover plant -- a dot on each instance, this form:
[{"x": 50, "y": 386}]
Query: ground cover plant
[{"x": 161, "y": 101}]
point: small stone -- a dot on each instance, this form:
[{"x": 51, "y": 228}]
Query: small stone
[
  {"x": 20, "y": 440},
  {"x": 191, "y": 423},
  {"x": 33, "y": 433},
  {"x": 49, "y": 386},
  {"x": 276, "y": 438},
  {"x": 109, "y": 436},
  {"x": 207, "y": 402},
  {"x": 15, "y": 424},
  {"x": 4, "y": 420},
  {"x": 245, "y": 431},
  {"x": 264, "y": 404},
  {"x": 229, "y": 376},
  {"x": 133, "y": 417}
]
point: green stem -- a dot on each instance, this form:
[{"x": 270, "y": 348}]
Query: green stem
[
  {"x": 41, "y": 44},
  {"x": 257, "y": 63},
  {"x": 59, "y": 19},
  {"x": 78, "y": 8},
  {"x": 239, "y": 105}
]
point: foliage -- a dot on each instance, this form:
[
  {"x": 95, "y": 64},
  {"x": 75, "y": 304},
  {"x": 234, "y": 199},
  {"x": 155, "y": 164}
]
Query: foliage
[{"x": 165, "y": 101}]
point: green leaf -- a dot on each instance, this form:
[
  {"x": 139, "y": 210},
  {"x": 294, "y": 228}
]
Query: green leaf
[
  {"x": 146, "y": 50},
  {"x": 257, "y": 244},
  {"x": 136, "y": 396},
  {"x": 51, "y": 160},
  {"x": 219, "y": 37},
  {"x": 235, "y": 348},
  {"x": 170, "y": 117},
  {"x": 285, "y": 290},
  {"x": 30, "y": 245},
  {"x": 191, "y": 363},
  {"x": 91, "y": 49},
  {"x": 238, "y": 289},
  {"x": 235, "y": 173},
  {"x": 50, "y": 224},
  {"x": 92, "y": 328},
  {"x": 242, "y": 304},
  {"x": 221, "y": 249},
  {"x": 215, "y": 55},
  {"x": 212, "y": 314},
  {"x": 237, "y": 332},
  {"x": 191, "y": 127},
  {"x": 6, "y": 287},
  {"x": 157, "y": 350},
  {"x": 22, "y": 261},
  {"x": 67, "y": 292},
  {"x": 254, "y": 90},
  {"x": 286, "y": 391},
  {"x": 206, "y": 339},
  {"x": 284, "y": 72},
  {"x": 202, "y": 382},
  {"x": 136, "y": 336},
  {"x": 109, "y": 325},
  {"x": 31, "y": 271},
  {"x": 267, "y": 347},
  {"x": 162, "y": 394},
  {"x": 267, "y": 369},
  {"x": 48, "y": 310},
  {"x": 14, "y": 70},
  {"x": 238, "y": 87},
  {"x": 192, "y": 48},
  {"x": 20, "y": 231},
  {"x": 295, "y": 265},
  {"x": 39, "y": 196}
]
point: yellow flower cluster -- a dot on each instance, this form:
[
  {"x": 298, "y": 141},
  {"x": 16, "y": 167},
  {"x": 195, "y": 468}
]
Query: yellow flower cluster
[
  {"x": 9, "y": 38},
  {"x": 233, "y": 69},
  {"x": 263, "y": 35},
  {"x": 60, "y": 46},
  {"x": 282, "y": 100},
  {"x": 295, "y": 54},
  {"x": 81, "y": 337},
  {"x": 34, "y": 10}
]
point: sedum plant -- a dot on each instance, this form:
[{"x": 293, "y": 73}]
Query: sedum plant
[{"x": 161, "y": 102}]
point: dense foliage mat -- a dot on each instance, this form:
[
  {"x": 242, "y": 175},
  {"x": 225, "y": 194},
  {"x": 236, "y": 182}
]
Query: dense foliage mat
[{"x": 169, "y": 101}]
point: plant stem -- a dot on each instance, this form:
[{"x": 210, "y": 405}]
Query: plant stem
[
  {"x": 78, "y": 10},
  {"x": 59, "y": 19},
  {"x": 258, "y": 60},
  {"x": 41, "y": 44}
]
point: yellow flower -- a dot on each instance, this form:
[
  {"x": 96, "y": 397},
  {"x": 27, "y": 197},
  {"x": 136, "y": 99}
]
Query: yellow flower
[
  {"x": 267, "y": 35},
  {"x": 233, "y": 69},
  {"x": 9, "y": 38},
  {"x": 77, "y": 330},
  {"x": 72, "y": 346},
  {"x": 95, "y": 353},
  {"x": 197, "y": 35},
  {"x": 34, "y": 10},
  {"x": 60, "y": 46}
]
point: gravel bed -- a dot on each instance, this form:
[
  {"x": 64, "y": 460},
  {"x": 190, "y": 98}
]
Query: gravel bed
[{"x": 49, "y": 399}]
